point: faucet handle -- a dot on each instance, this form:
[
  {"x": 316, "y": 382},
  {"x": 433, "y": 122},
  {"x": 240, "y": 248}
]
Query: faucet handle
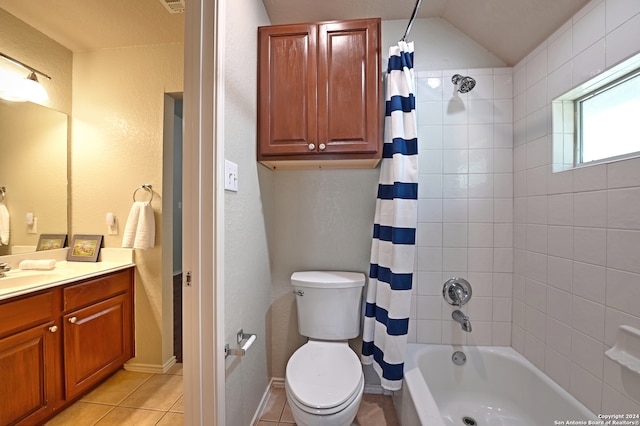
[{"x": 456, "y": 291}]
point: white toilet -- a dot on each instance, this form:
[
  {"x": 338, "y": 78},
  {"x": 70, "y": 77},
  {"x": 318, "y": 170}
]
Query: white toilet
[{"x": 324, "y": 380}]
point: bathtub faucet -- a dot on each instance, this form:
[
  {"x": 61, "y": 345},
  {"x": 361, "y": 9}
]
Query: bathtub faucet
[{"x": 461, "y": 318}]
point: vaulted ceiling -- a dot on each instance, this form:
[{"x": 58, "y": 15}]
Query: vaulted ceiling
[{"x": 508, "y": 28}]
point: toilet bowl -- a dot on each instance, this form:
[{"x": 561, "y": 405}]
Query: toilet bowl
[
  {"x": 324, "y": 381},
  {"x": 324, "y": 384}
]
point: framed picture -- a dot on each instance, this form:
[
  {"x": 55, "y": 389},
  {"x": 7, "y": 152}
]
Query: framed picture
[
  {"x": 51, "y": 241},
  {"x": 85, "y": 248}
]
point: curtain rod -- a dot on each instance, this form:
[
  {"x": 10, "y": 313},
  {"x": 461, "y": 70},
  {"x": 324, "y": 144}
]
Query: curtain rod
[{"x": 413, "y": 18}]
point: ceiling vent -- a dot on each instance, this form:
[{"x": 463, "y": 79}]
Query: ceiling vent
[{"x": 173, "y": 6}]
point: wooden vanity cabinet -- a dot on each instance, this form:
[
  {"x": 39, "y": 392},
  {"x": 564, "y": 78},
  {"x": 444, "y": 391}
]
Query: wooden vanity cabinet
[
  {"x": 55, "y": 345},
  {"x": 28, "y": 361},
  {"x": 98, "y": 330},
  {"x": 319, "y": 94}
]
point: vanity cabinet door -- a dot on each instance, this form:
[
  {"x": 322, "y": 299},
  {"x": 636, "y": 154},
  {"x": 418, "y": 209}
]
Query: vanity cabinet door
[
  {"x": 98, "y": 339},
  {"x": 28, "y": 375}
]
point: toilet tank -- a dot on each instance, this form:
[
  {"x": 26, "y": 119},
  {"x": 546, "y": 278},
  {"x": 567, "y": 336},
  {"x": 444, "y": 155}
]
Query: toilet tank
[{"x": 328, "y": 303}]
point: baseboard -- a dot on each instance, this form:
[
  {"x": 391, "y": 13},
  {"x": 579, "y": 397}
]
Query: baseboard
[
  {"x": 151, "y": 368},
  {"x": 265, "y": 398},
  {"x": 277, "y": 382}
]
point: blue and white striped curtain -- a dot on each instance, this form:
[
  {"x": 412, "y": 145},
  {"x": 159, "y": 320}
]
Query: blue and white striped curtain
[{"x": 387, "y": 309}]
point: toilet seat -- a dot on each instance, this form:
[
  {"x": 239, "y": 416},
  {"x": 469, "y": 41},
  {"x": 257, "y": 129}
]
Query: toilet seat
[{"x": 324, "y": 377}]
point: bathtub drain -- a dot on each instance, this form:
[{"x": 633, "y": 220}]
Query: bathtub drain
[
  {"x": 459, "y": 358},
  {"x": 469, "y": 421}
]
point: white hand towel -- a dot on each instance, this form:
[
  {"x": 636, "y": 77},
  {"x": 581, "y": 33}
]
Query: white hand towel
[
  {"x": 140, "y": 230},
  {"x": 42, "y": 264},
  {"x": 146, "y": 232},
  {"x": 4, "y": 225},
  {"x": 130, "y": 228}
]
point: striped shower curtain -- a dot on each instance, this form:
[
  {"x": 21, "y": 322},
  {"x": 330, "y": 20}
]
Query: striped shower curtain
[{"x": 388, "y": 300}]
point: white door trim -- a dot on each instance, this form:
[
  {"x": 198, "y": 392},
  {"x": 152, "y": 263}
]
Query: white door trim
[{"x": 203, "y": 219}]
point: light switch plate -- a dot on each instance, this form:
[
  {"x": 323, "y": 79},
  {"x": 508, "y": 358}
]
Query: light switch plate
[{"x": 230, "y": 176}]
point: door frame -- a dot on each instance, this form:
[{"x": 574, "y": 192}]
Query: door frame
[{"x": 203, "y": 213}]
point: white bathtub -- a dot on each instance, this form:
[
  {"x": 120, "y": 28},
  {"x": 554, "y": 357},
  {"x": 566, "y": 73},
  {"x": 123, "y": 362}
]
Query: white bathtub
[{"x": 496, "y": 386}]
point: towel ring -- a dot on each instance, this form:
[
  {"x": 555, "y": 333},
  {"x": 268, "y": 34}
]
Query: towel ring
[{"x": 147, "y": 187}]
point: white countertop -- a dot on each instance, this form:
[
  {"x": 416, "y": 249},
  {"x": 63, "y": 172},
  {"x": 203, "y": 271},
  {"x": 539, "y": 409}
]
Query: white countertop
[{"x": 18, "y": 282}]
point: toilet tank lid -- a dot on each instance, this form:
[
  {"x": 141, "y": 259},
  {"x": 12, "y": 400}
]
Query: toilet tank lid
[{"x": 327, "y": 279}]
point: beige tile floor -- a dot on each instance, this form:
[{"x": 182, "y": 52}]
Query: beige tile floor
[
  {"x": 141, "y": 399},
  {"x": 375, "y": 410},
  {"x": 129, "y": 398}
]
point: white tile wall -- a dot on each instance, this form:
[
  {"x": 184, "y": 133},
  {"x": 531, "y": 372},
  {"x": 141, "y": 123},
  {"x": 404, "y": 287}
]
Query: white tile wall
[
  {"x": 554, "y": 258},
  {"x": 577, "y": 265},
  {"x": 465, "y": 205}
]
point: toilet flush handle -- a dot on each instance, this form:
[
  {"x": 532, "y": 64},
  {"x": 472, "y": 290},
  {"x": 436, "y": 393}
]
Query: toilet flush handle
[{"x": 298, "y": 292}]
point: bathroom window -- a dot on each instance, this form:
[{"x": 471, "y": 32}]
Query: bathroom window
[
  {"x": 599, "y": 120},
  {"x": 607, "y": 121}
]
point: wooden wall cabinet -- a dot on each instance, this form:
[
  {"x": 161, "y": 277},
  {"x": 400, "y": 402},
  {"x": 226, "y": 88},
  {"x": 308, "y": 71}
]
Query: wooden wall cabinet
[
  {"x": 319, "y": 94},
  {"x": 57, "y": 344}
]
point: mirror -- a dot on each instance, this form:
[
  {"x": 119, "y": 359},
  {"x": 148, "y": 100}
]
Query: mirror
[{"x": 33, "y": 169}]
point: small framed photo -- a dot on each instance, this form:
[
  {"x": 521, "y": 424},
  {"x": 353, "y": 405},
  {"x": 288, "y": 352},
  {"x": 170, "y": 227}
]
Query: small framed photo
[
  {"x": 51, "y": 241},
  {"x": 85, "y": 248}
]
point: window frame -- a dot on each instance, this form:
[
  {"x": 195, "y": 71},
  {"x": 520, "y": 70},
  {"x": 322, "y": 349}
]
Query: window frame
[{"x": 578, "y": 125}]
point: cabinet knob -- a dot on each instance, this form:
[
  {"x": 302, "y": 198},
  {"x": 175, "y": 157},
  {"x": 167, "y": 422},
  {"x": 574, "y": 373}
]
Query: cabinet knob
[
  {"x": 73, "y": 320},
  {"x": 53, "y": 328},
  {"x": 312, "y": 147},
  {"x": 322, "y": 146}
]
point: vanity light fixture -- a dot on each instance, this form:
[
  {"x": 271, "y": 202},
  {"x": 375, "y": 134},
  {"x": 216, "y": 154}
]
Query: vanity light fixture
[{"x": 26, "y": 89}]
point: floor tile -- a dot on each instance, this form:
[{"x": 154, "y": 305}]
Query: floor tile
[
  {"x": 287, "y": 416},
  {"x": 376, "y": 410},
  {"x": 171, "y": 419},
  {"x": 178, "y": 407},
  {"x": 117, "y": 387},
  {"x": 160, "y": 392},
  {"x": 80, "y": 414},
  {"x": 120, "y": 416},
  {"x": 175, "y": 369},
  {"x": 275, "y": 405}
]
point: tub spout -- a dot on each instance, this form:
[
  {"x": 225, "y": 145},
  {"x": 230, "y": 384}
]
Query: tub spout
[{"x": 461, "y": 318}]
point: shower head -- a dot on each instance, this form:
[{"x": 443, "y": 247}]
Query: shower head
[{"x": 465, "y": 84}]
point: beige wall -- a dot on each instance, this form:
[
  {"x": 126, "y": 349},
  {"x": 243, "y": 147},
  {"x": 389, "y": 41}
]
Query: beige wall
[{"x": 118, "y": 109}]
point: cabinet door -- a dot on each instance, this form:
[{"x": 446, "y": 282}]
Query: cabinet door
[
  {"x": 287, "y": 90},
  {"x": 97, "y": 341},
  {"x": 27, "y": 375},
  {"x": 349, "y": 103}
]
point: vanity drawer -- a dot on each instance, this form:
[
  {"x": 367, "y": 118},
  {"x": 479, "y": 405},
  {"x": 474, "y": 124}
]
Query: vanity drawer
[
  {"x": 88, "y": 292},
  {"x": 27, "y": 311}
]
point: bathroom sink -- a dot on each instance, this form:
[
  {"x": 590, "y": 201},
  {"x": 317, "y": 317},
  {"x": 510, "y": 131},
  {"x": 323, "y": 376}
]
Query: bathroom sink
[{"x": 28, "y": 278}]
